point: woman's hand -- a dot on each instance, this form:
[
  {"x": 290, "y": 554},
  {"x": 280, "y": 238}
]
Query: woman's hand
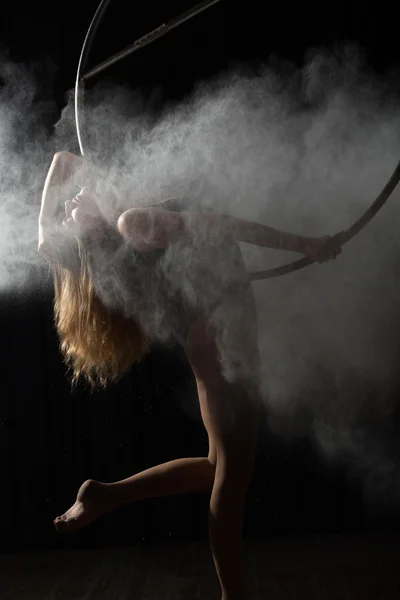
[{"x": 323, "y": 249}]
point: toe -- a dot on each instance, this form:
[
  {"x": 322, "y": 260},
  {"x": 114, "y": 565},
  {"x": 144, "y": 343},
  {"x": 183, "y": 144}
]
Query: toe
[
  {"x": 61, "y": 526},
  {"x": 60, "y": 518}
]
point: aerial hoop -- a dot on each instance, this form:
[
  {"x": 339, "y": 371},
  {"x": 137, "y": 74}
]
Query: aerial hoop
[
  {"x": 145, "y": 40},
  {"x": 343, "y": 236}
]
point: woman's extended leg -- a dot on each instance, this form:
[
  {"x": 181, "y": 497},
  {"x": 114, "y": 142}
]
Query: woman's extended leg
[{"x": 181, "y": 476}]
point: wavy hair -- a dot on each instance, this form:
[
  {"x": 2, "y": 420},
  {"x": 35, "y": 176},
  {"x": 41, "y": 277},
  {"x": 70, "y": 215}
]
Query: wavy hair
[{"x": 97, "y": 343}]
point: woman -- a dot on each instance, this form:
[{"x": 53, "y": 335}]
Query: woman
[{"x": 100, "y": 340}]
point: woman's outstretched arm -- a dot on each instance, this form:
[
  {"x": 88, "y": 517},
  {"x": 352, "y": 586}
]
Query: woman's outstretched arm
[
  {"x": 257, "y": 234},
  {"x": 150, "y": 228},
  {"x": 263, "y": 235}
]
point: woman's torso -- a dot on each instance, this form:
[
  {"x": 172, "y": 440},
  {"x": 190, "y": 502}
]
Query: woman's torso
[{"x": 168, "y": 289}]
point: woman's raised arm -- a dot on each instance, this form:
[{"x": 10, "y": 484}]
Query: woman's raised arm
[{"x": 63, "y": 168}]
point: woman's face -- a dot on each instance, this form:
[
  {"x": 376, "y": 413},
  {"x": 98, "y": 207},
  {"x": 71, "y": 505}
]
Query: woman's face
[{"x": 82, "y": 211}]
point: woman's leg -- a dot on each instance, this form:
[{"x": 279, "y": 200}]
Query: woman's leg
[
  {"x": 230, "y": 411},
  {"x": 236, "y": 446},
  {"x": 181, "y": 476}
]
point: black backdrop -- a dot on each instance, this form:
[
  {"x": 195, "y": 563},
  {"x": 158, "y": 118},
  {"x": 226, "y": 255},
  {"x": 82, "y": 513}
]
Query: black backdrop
[{"x": 51, "y": 440}]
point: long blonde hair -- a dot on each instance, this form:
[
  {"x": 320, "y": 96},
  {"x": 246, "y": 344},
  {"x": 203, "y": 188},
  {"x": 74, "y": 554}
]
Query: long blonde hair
[{"x": 97, "y": 343}]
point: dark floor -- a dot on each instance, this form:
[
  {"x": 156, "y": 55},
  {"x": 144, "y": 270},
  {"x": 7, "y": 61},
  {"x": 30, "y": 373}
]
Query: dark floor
[{"x": 336, "y": 567}]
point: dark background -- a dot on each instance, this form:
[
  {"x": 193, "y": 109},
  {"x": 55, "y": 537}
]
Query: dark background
[{"x": 52, "y": 440}]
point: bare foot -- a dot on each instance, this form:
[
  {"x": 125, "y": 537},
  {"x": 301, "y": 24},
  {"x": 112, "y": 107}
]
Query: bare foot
[{"x": 92, "y": 501}]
